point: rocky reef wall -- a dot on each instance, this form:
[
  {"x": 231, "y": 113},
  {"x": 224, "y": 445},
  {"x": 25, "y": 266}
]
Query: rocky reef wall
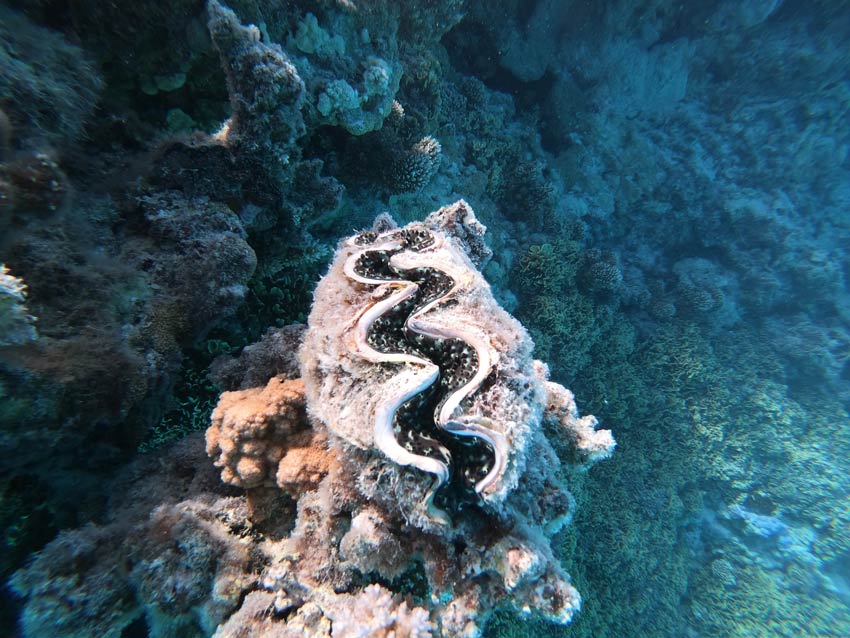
[{"x": 665, "y": 190}]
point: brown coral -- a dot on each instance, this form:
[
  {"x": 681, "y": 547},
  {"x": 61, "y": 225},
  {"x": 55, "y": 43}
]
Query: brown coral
[{"x": 249, "y": 430}]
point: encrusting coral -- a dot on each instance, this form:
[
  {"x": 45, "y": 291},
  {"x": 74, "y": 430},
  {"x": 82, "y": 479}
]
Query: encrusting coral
[{"x": 416, "y": 448}]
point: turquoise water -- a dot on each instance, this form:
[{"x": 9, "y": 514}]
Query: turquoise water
[{"x": 665, "y": 187}]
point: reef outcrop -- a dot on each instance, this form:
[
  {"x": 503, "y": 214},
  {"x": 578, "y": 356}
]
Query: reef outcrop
[
  {"x": 406, "y": 484},
  {"x": 423, "y": 437}
]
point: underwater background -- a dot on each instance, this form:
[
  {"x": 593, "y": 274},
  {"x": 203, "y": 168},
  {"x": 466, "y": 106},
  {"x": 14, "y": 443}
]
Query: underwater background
[{"x": 666, "y": 190}]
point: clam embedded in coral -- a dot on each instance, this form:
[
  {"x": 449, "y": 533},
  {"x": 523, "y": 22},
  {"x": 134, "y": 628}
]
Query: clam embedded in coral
[
  {"x": 404, "y": 269},
  {"x": 428, "y": 459},
  {"x": 408, "y": 353}
]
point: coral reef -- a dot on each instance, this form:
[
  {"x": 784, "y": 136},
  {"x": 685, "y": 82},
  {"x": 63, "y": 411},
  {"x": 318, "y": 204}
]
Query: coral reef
[
  {"x": 351, "y": 64},
  {"x": 174, "y": 571},
  {"x": 665, "y": 190},
  {"x": 336, "y": 501},
  {"x": 118, "y": 294},
  {"x": 522, "y": 191},
  {"x": 266, "y": 93},
  {"x": 398, "y": 156},
  {"x": 204, "y": 261}
]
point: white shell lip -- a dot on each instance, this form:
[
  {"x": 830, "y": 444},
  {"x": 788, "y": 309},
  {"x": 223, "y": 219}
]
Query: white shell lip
[{"x": 388, "y": 294}]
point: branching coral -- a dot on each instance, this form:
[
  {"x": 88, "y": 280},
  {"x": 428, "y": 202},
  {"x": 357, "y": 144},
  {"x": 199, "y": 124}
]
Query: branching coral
[
  {"x": 413, "y": 169},
  {"x": 397, "y": 157},
  {"x": 554, "y": 280},
  {"x": 523, "y": 192}
]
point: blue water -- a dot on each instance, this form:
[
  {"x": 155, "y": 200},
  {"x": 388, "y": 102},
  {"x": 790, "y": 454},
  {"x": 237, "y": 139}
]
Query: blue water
[{"x": 666, "y": 189}]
